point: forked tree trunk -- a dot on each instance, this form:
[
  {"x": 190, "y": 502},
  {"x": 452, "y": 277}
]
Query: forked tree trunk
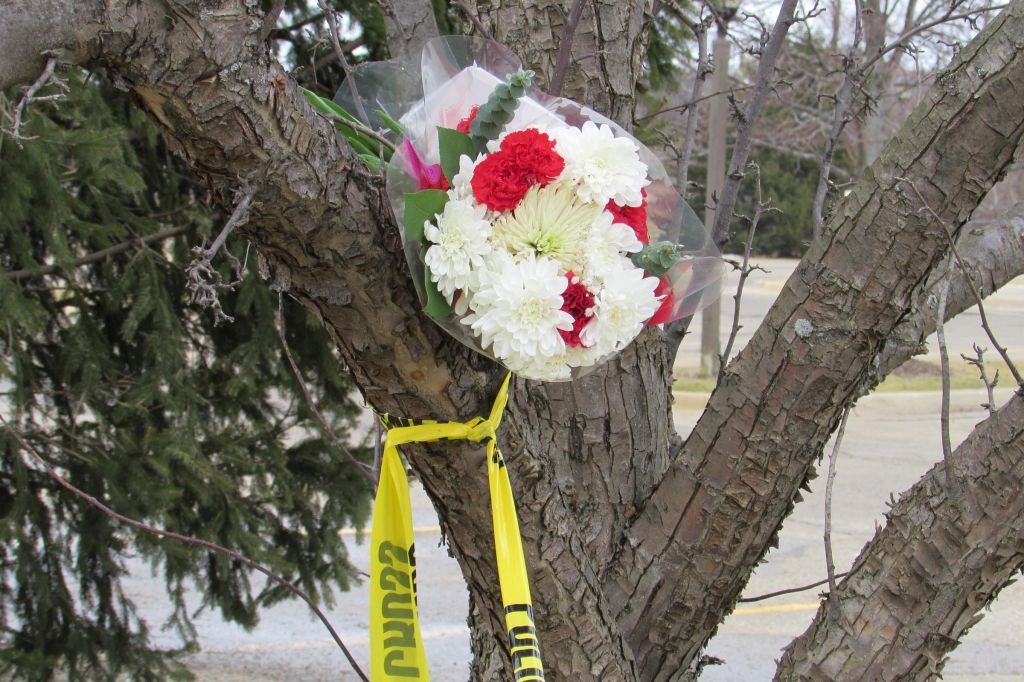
[{"x": 638, "y": 545}]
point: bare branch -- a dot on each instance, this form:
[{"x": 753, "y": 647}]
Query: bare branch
[
  {"x": 970, "y": 283},
  {"x": 979, "y": 362},
  {"x": 791, "y": 590},
  {"x": 745, "y": 130},
  {"x": 902, "y": 40},
  {"x": 99, "y": 255},
  {"x": 953, "y": 486},
  {"x": 270, "y": 20},
  {"x": 695, "y": 100},
  {"x": 833, "y": 590},
  {"x": 700, "y": 31},
  {"x": 204, "y": 280},
  {"x": 294, "y": 589},
  {"x": 565, "y": 48},
  {"x": 363, "y": 468},
  {"x": 745, "y": 270},
  {"x": 473, "y": 18},
  {"x": 360, "y": 129},
  {"x": 332, "y": 25},
  {"x": 46, "y": 78}
]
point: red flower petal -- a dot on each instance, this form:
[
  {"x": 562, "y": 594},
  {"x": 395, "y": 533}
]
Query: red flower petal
[
  {"x": 634, "y": 216},
  {"x": 577, "y": 300},
  {"x": 664, "y": 311}
]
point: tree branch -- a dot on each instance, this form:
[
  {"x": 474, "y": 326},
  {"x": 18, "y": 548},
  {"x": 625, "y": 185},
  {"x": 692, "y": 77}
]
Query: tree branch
[
  {"x": 473, "y": 18},
  {"x": 362, "y": 467},
  {"x": 565, "y": 48},
  {"x": 204, "y": 280},
  {"x": 294, "y": 589},
  {"x": 830, "y": 566},
  {"x": 97, "y": 256},
  {"x": 30, "y": 97},
  {"x": 705, "y": 526},
  {"x": 745, "y": 130},
  {"x": 943, "y": 566}
]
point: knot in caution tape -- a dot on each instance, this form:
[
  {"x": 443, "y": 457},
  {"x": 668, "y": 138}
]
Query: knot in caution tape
[{"x": 396, "y": 645}]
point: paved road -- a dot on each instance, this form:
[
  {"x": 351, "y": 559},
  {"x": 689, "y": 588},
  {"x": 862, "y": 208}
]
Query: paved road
[{"x": 892, "y": 439}]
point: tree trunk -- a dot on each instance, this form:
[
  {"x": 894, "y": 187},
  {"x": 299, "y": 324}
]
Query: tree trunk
[
  {"x": 921, "y": 583},
  {"x": 637, "y": 545}
]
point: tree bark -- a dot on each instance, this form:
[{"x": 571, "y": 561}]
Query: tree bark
[
  {"x": 920, "y": 584},
  {"x": 719, "y": 508},
  {"x": 994, "y": 255},
  {"x": 636, "y": 548}
]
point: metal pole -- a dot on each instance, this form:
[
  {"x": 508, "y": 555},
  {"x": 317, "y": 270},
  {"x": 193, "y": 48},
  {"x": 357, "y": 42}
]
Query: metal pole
[{"x": 710, "y": 339}]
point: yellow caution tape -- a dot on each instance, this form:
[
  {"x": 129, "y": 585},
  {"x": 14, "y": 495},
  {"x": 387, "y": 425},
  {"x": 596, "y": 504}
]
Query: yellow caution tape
[{"x": 396, "y": 645}]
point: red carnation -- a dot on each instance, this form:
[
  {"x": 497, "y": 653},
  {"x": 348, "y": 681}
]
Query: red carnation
[
  {"x": 664, "y": 311},
  {"x": 634, "y": 216},
  {"x": 526, "y": 158},
  {"x": 464, "y": 124},
  {"x": 534, "y": 153},
  {"x": 576, "y": 301}
]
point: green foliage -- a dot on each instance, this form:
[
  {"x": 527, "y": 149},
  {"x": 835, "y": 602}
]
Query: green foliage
[
  {"x": 657, "y": 259},
  {"x": 143, "y": 403},
  {"x": 499, "y": 109},
  {"x": 453, "y": 145},
  {"x": 421, "y": 208}
]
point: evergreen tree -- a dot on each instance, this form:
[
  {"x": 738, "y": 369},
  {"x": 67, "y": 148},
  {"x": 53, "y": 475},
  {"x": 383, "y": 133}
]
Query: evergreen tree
[{"x": 139, "y": 400}]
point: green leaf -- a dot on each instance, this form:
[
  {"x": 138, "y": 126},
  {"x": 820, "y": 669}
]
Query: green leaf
[
  {"x": 372, "y": 161},
  {"x": 326, "y": 106},
  {"x": 390, "y": 123},
  {"x": 437, "y": 306},
  {"x": 421, "y": 207},
  {"x": 657, "y": 259},
  {"x": 360, "y": 143},
  {"x": 453, "y": 145}
]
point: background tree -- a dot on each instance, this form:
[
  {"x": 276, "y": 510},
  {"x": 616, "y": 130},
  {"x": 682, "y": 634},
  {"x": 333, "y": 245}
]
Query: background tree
[
  {"x": 144, "y": 403},
  {"x": 638, "y": 543}
]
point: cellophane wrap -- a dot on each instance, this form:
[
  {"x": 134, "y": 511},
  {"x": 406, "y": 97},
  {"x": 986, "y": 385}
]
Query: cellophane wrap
[{"x": 457, "y": 73}]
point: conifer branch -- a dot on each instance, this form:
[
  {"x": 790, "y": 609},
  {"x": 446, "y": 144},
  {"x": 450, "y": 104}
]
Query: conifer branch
[
  {"x": 204, "y": 280},
  {"x": 294, "y": 589},
  {"x": 363, "y": 468},
  {"x": 99, "y": 255}
]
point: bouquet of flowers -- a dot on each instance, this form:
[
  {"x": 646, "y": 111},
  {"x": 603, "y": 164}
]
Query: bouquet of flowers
[{"x": 538, "y": 232}]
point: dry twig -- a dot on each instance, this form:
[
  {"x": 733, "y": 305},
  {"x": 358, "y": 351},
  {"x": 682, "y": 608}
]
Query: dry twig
[
  {"x": 745, "y": 270},
  {"x": 952, "y": 475},
  {"x": 791, "y": 590},
  {"x": 970, "y": 283},
  {"x": 332, "y": 25},
  {"x": 204, "y": 280},
  {"x": 363, "y": 468},
  {"x": 979, "y": 362},
  {"x": 294, "y": 589},
  {"x": 833, "y": 590},
  {"x": 30, "y": 97},
  {"x": 473, "y": 18},
  {"x": 565, "y": 48}
]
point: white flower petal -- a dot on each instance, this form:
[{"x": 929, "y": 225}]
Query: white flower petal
[{"x": 605, "y": 167}]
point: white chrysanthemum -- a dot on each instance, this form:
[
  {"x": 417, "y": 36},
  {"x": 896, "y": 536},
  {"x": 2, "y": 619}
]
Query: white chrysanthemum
[
  {"x": 606, "y": 167},
  {"x": 549, "y": 222},
  {"x": 603, "y": 247},
  {"x": 461, "y": 188},
  {"x": 620, "y": 310},
  {"x": 539, "y": 367},
  {"x": 459, "y": 244},
  {"x": 517, "y": 307}
]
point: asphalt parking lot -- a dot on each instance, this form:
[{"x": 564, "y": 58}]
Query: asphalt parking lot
[{"x": 891, "y": 440}]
